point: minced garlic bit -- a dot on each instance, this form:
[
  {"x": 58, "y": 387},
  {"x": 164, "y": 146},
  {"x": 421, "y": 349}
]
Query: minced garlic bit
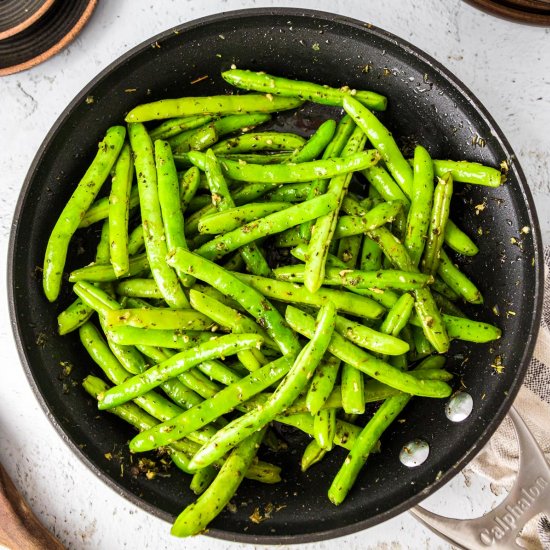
[
  {"x": 504, "y": 166},
  {"x": 497, "y": 365},
  {"x": 525, "y": 230},
  {"x": 480, "y": 207},
  {"x": 269, "y": 96},
  {"x": 233, "y": 66}
]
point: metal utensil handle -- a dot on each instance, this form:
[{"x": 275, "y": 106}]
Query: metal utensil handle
[{"x": 529, "y": 496}]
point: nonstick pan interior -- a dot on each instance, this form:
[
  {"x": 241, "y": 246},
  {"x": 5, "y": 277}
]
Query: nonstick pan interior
[{"x": 426, "y": 105}]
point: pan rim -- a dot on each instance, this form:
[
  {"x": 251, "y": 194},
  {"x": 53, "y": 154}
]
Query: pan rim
[{"x": 526, "y": 195}]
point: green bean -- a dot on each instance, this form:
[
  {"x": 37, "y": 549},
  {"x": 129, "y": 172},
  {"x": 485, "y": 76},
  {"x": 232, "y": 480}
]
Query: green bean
[
  {"x": 71, "y": 215},
  {"x": 292, "y": 192},
  {"x": 138, "y": 288},
  {"x": 432, "y": 323},
  {"x": 101, "y": 302},
  {"x": 136, "y": 241},
  {"x": 218, "y": 372},
  {"x": 211, "y": 292},
  {"x": 369, "y": 338},
  {"x": 208, "y": 134},
  {"x": 383, "y": 182},
  {"x": 175, "y": 126},
  {"x": 202, "y": 479},
  {"x": 151, "y": 402},
  {"x": 259, "y": 141},
  {"x": 316, "y": 144},
  {"x": 157, "y": 319},
  {"x": 73, "y": 317},
  {"x": 322, "y": 383},
  {"x": 309, "y": 91},
  {"x": 287, "y": 391},
  {"x": 456, "y": 239},
  {"x": 398, "y": 316},
  {"x": 348, "y": 250},
  {"x": 175, "y": 365},
  {"x": 424, "y": 304},
  {"x": 206, "y": 412},
  {"x": 235, "y": 263},
  {"x": 467, "y": 329},
  {"x": 371, "y": 255},
  {"x": 189, "y": 183},
  {"x": 384, "y": 143},
  {"x": 379, "y": 179},
  {"x": 353, "y": 393},
  {"x": 78, "y": 312},
  {"x": 233, "y": 123},
  {"x": 351, "y": 205},
  {"x": 119, "y": 211},
  {"x": 344, "y": 436},
  {"x": 421, "y": 343},
  {"x": 346, "y": 302},
  {"x": 99, "y": 273},
  {"x": 446, "y": 306},
  {"x": 386, "y": 298},
  {"x": 213, "y": 105},
  {"x": 155, "y": 243},
  {"x": 291, "y": 173},
  {"x": 256, "y": 158},
  {"x": 194, "y": 140},
  {"x": 199, "y": 383},
  {"x": 370, "y": 365},
  {"x": 170, "y": 339},
  {"x": 242, "y": 196},
  {"x": 443, "y": 288},
  {"x": 312, "y": 454},
  {"x": 468, "y": 172},
  {"x": 422, "y": 191},
  {"x": 95, "y": 297},
  {"x": 325, "y": 225},
  {"x": 99, "y": 210},
  {"x": 381, "y": 214},
  {"x": 222, "y": 199},
  {"x": 355, "y": 278},
  {"x": 254, "y": 302},
  {"x": 270, "y": 224},
  {"x": 170, "y": 202},
  {"x": 228, "y": 220},
  {"x": 324, "y": 428},
  {"x": 457, "y": 281},
  {"x": 226, "y": 316},
  {"x": 438, "y": 220},
  {"x": 196, "y": 517},
  {"x": 343, "y": 133}
]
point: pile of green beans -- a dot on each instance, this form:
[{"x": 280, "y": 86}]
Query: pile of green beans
[{"x": 237, "y": 274}]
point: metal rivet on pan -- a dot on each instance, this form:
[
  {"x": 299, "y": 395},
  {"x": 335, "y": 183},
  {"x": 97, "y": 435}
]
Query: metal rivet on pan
[
  {"x": 459, "y": 406},
  {"x": 414, "y": 453}
]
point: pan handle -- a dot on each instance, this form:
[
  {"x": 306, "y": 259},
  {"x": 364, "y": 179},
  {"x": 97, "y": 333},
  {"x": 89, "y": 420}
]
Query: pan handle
[{"x": 529, "y": 496}]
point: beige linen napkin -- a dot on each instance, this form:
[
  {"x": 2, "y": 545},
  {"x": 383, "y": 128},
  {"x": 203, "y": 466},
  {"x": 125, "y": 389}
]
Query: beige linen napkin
[{"x": 498, "y": 459}]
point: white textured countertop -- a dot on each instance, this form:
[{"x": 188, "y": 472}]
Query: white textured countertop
[{"x": 506, "y": 65}]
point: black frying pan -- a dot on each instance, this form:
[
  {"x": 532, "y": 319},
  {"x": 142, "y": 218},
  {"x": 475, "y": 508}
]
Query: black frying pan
[{"x": 428, "y": 105}]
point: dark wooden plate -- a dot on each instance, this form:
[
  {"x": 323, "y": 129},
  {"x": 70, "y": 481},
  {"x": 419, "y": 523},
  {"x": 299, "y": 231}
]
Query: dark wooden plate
[
  {"x": 45, "y": 36},
  {"x": 17, "y": 15},
  {"x": 531, "y": 12}
]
